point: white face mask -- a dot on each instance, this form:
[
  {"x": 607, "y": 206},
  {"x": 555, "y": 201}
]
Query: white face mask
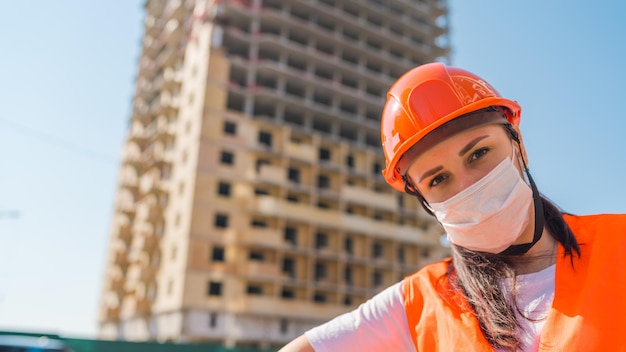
[{"x": 489, "y": 215}]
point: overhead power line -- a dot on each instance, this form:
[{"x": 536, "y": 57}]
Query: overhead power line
[
  {"x": 58, "y": 142},
  {"x": 12, "y": 214}
]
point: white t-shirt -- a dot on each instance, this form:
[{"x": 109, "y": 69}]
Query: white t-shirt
[
  {"x": 535, "y": 293},
  {"x": 380, "y": 324}
]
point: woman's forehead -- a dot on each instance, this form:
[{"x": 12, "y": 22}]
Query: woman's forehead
[{"x": 447, "y": 131}]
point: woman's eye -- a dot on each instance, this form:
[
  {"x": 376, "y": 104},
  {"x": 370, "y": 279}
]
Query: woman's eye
[
  {"x": 437, "y": 180},
  {"x": 478, "y": 153}
]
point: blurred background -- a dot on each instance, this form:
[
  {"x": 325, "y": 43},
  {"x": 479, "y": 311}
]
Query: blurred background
[{"x": 67, "y": 71}]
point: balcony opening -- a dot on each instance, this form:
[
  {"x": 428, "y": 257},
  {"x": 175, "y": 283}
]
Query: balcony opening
[
  {"x": 320, "y": 271},
  {"x": 372, "y": 115},
  {"x": 300, "y": 14},
  {"x": 324, "y": 154},
  {"x": 350, "y": 82},
  {"x": 348, "y": 245},
  {"x": 258, "y": 223},
  {"x": 261, "y": 192},
  {"x": 298, "y": 38},
  {"x": 294, "y": 89},
  {"x": 348, "y": 108},
  {"x": 289, "y": 267},
  {"x": 396, "y": 53},
  {"x": 376, "y": 168},
  {"x": 218, "y": 254},
  {"x": 377, "y": 250},
  {"x": 347, "y": 273},
  {"x": 322, "y": 98},
  {"x": 235, "y": 102},
  {"x": 221, "y": 221},
  {"x": 227, "y": 158},
  {"x": 325, "y": 48},
  {"x": 352, "y": 35},
  {"x": 293, "y": 174},
  {"x": 266, "y": 110},
  {"x": 296, "y": 63},
  {"x": 321, "y": 240},
  {"x": 230, "y": 128},
  {"x": 376, "y": 21},
  {"x": 350, "y": 161},
  {"x": 319, "y": 297},
  {"x": 323, "y": 72},
  {"x": 266, "y": 81},
  {"x": 267, "y": 28},
  {"x": 374, "y": 45},
  {"x": 265, "y": 138},
  {"x": 400, "y": 255},
  {"x": 223, "y": 189},
  {"x": 268, "y": 54},
  {"x": 375, "y": 68},
  {"x": 287, "y": 293},
  {"x": 321, "y": 126},
  {"x": 373, "y": 140},
  {"x": 348, "y": 133},
  {"x": 214, "y": 288},
  {"x": 350, "y": 10},
  {"x": 291, "y": 235},
  {"x": 256, "y": 256},
  {"x": 377, "y": 278},
  {"x": 260, "y": 162},
  {"x": 294, "y": 118},
  {"x": 350, "y": 58},
  {"x": 254, "y": 290},
  {"x": 323, "y": 182},
  {"x": 326, "y": 24},
  {"x": 372, "y": 90}
]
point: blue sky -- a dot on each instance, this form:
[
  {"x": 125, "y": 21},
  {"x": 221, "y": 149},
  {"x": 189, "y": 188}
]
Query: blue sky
[{"x": 67, "y": 71}]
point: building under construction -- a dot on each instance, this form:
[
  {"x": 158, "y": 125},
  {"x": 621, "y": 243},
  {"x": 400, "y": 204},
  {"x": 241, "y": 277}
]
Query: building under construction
[{"x": 251, "y": 205}]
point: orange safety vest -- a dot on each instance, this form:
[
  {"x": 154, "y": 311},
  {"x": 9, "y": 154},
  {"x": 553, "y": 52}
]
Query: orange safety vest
[{"x": 588, "y": 312}]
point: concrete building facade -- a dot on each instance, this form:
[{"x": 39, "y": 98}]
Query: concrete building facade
[{"x": 250, "y": 204}]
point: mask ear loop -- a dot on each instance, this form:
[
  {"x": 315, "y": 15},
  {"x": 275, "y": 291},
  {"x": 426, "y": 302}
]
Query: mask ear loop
[
  {"x": 519, "y": 249},
  {"x": 410, "y": 189}
]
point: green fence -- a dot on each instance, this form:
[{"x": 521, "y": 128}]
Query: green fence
[{"x": 87, "y": 345}]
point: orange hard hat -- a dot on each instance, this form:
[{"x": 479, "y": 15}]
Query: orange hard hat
[{"x": 427, "y": 97}]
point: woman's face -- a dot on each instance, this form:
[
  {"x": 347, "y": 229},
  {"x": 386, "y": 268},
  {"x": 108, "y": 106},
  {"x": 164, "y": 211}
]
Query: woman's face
[{"x": 459, "y": 161}]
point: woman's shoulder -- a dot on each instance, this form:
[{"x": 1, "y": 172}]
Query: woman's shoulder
[
  {"x": 594, "y": 223},
  {"x": 427, "y": 280},
  {"x": 591, "y": 218},
  {"x": 430, "y": 271},
  {"x": 599, "y": 233}
]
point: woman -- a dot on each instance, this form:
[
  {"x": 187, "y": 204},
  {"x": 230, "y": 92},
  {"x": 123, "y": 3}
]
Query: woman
[{"x": 523, "y": 276}]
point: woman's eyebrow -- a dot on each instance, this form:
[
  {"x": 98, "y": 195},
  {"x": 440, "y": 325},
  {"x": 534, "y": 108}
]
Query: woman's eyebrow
[
  {"x": 430, "y": 172},
  {"x": 471, "y": 144}
]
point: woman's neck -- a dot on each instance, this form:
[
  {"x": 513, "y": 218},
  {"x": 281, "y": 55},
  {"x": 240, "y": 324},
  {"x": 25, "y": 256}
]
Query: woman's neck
[{"x": 539, "y": 257}]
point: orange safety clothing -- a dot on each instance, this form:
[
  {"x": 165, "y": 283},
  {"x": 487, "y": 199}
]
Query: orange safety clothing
[{"x": 588, "y": 312}]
